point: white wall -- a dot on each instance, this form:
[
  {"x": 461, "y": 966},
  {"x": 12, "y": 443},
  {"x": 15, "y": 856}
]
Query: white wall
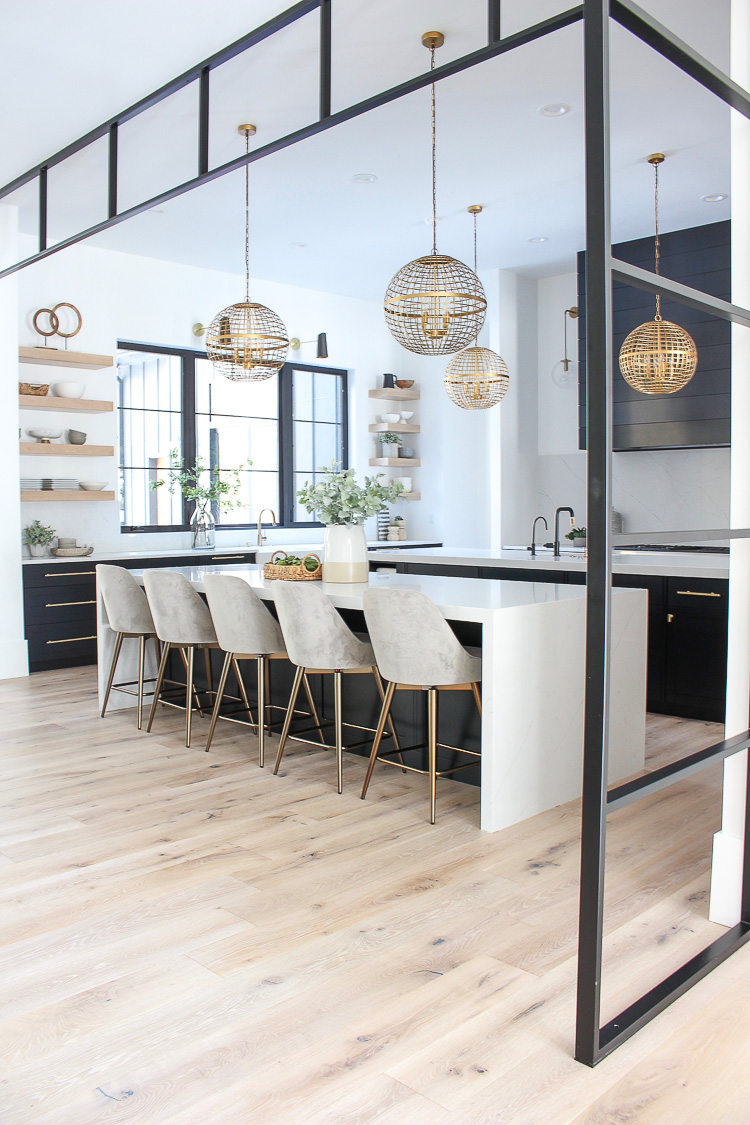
[
  {"x": 661, "y": 490},
  {"x": 122, "y": 296}
]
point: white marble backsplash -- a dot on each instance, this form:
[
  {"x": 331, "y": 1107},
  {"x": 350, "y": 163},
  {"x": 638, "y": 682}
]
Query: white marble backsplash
[{"x": 658, "y": 490}]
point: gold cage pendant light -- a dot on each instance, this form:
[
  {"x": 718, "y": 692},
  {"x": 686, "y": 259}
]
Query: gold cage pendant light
[
  {"x": 658, "y": 357},
  {"x": 435, "y": 304},
  {"x": 476, "y": 378},
  {"x": 247, "y": 342}
]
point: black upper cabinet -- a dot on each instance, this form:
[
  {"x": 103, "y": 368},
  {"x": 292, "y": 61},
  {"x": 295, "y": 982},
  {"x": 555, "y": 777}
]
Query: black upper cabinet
[{"x": 698, "y": 415}]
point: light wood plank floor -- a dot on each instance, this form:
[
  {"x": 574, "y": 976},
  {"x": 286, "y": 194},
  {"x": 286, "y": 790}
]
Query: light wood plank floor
[{"x": 189, "y": 940}]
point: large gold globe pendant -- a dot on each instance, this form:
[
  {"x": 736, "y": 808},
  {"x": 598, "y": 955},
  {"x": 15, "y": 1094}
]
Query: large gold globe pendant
[
  {"x": 435, "y": 305},
  {"x": 658, "y": 358},
  {"x": 476, "y": 379},
  {"x": 247, "y": 342}
]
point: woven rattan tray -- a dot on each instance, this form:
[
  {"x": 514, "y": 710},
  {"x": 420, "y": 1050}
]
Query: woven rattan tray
[
  {"x": 297, "y": 573},
  {"x": 72, "y": 552},
  {"x": 40, "y": 389}
]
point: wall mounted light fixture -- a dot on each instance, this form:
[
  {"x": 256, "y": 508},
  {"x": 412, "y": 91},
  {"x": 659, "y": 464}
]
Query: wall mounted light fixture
[
  {"x": 295, "y": 344},
  {"x": 564, "y": 371}
]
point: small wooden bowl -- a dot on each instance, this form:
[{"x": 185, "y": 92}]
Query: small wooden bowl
[{"x": 404, "y": 384}]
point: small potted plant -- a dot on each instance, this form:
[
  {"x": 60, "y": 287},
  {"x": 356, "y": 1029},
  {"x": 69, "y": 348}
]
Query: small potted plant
[
  {"x": 577, "y": 536},
  {"x": 389, "y": 443},
  {"x": 343, "y": 506},
  {"x": 38, "y": 538},
  {"x": 205, "y": 487}
]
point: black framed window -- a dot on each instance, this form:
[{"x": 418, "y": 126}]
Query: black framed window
[{"x": 170, "y": 398}]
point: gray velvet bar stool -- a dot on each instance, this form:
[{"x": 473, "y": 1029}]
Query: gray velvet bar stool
[
  {"x": 129, "y": 616},
  {"x": 246, "y": 630},
  {"x": 183, "y": 621},
  {"x": 318, "y": 640},
  {"x": 416, "y": 650}
]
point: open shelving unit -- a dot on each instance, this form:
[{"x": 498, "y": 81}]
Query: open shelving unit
[
  {"x": 393, "y": 427},
  {"x": 69, "y": 405},
  {"x": 395, "y": 462},
  {"x": 395, "y": 394}
]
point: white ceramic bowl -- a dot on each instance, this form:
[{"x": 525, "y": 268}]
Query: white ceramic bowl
[
  {"x": 406, "y": 415},
  {"x": 68, "y": 389},
  {"x": 93, "y": 485},
  {"x": 45, "y": 435},
  {"x": 391, "y": 417}
]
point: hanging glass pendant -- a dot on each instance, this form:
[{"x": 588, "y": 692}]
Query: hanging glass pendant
[
  {"x": 247, "y": 342},
  {"x": 477, "y": 378},
  {"x": 658, "y": 357},
  {"x": 435, "y": 304}
]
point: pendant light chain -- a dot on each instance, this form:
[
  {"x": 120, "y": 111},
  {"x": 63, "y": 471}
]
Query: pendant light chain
[
  {"x": 474, "y": 216},
  {"x": 656, "y": 235},
  {"x": 247, "y": 220},
  {"x": 434, "y": 174}
]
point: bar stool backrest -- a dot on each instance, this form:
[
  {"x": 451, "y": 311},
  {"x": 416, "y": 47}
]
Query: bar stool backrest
[
  {"x": 241, "y": 621},
  {"x": 124, "y": 600},
  {"x": 180, "y": 614},
  {"x": 315, "y": 634},
  {"x": 413, "y": 642}
]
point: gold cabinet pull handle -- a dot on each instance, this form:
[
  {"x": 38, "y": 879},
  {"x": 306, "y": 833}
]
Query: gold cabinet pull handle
[
  {"x": 698, "y": 594},
  {"x": 670, "y": 618},
  {"x": 67, "y": 640},
  {"x": 218, "y": 558},
  {"x": 69, "y": 573},
  {"x": 53, "y": 605}
]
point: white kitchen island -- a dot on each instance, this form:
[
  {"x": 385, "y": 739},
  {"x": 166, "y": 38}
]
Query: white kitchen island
[{"x": 533, "y": 678}]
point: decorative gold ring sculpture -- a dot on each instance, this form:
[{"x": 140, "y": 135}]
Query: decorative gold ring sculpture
[{"x": 54, "y": 321}]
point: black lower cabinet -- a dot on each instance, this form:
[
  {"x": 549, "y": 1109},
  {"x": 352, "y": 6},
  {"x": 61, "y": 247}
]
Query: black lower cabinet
[{"x": 60, "y": 605}]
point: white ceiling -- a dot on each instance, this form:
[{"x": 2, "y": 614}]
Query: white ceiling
[{"x": 493, "y": 147}]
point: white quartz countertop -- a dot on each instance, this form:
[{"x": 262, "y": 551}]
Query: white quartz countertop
[
  {"x": 679, "y": 564},
  {"x": 459, "y": 599}
]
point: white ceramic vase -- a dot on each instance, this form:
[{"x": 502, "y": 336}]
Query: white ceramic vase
[
  {"x": 37, "y": 550},
  {"x": 345, "y": 554}
]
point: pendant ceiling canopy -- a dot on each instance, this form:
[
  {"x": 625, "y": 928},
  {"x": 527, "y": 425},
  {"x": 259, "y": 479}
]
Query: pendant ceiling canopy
[
  {"x": 435, "y": 304},
  {"x": 247, "y": 342},
  {"x": 476, "y": 378},
  {"x": 658, "y": 357}
]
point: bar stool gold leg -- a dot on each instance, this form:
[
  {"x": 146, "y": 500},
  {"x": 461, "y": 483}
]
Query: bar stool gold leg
[
  {"x": 195, "y": 693},
  {"x": 378, "y": 735},
  {"x": 110, "y": 681},
  {"x": 337, "y": 677},
  {"x": 157, "y": 687},
  {"x": 217, "y": 703},
  {"x": 391, "y": 724},
  {"x": 243, "y": 693},
  {"x": 288, "y": 717},
  {"x": 477, "y": 697},
  {"x": 432, "y": 748},
  {"x": 189, "y": 694},
  {"x": 141, "y": 667},
  {"x": 261, "y": 669},
  {"x": 313, "y": 709},
  {"x": 209, "y": 670}
]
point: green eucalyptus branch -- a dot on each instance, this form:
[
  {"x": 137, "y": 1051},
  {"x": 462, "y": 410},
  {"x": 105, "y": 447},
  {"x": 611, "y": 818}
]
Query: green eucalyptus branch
[
  {"x": 220, "y": 487},
  {"x": 338, "y": 499}
]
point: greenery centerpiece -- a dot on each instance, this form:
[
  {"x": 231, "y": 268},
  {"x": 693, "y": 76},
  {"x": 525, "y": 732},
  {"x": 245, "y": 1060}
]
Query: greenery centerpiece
[
  {"x": 38, "y": 538},
  {"x": 343, "y": 506},
  {"x": 205, "y": 487}
]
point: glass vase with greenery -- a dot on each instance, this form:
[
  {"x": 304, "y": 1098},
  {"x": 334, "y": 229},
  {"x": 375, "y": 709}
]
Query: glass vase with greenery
[{"x": 205, "y": 487}]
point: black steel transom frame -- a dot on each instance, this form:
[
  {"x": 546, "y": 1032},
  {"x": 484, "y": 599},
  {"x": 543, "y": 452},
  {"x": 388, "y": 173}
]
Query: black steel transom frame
[{"x": 592, "y": 1041}]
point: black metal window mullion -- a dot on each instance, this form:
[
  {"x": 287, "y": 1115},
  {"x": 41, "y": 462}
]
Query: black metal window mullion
[{"x": 188, "y": 425}]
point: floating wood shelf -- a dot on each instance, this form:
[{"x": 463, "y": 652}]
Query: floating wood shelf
[
  {"x": 69, "y": 405},
  {"x": 395, "y": 394},
  {"x": 55, "y": 357},
  {"x": 393, "y": 427},
  {"x": 411, "y": 496},
  {"x": 395, "y": 462},
  {"x": 41, "y": 449},
  {"x": 45, "y": 495}
]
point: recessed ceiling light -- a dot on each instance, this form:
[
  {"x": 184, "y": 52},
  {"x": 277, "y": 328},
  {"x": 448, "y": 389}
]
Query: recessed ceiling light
[
  {"x": 717, "y": 197},
  {"x": 364, "y": 178},
  {"x": 298, "y": 245},
  {"x": 539, "y": 238},
  {"x": 554, "y": 109}
]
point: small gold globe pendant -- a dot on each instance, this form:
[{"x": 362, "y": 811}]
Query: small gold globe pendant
[
  {"x": 476, "y": 379},
  {"x": 658, "y": 358},
  {"x": 247, "y": 342}
]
